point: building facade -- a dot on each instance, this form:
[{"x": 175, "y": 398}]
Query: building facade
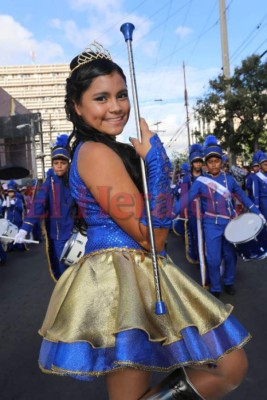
[{"x": 40, "y": 89}]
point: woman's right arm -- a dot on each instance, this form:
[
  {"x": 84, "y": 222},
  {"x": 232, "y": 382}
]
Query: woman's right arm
[{"x": 105, "y": 175}]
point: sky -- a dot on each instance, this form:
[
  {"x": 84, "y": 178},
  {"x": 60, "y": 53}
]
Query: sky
[{"x": 168, "y": 35}]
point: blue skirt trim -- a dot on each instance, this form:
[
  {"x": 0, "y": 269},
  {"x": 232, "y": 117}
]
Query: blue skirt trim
[{"x": 134, "y": 349}]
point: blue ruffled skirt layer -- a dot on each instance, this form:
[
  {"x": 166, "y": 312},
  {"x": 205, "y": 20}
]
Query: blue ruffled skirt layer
[{"x": 101, "y": 318}]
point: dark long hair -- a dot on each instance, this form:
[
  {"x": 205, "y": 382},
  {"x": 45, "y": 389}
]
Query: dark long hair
[{"x": 78, "y": 82}]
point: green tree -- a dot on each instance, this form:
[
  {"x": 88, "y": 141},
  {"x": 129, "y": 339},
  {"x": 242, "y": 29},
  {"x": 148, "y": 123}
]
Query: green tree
[
  {"x": 248, "y": 100},
  {"x": 238, "y": 107}
]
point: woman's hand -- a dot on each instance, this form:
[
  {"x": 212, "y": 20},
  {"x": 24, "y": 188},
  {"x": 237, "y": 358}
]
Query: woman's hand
[{"x": 143, "y": 147}]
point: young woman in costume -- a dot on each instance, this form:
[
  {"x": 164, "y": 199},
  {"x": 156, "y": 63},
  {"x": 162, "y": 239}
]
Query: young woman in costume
[{"x": 101, "y": 318}]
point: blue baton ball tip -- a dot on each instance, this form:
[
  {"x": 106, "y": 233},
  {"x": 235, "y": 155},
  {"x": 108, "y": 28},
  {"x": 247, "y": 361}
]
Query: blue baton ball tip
[
  {"x": 160, "y": 308},
  {"x": 127, "y": 30}
]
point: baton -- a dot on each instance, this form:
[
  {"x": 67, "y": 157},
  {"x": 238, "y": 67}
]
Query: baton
[
  {"x": 24, "y": 240},
  {"x": 127, "y": 30}
]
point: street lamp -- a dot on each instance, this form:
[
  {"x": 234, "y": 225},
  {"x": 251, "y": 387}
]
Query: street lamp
[{"x": 157, "y": 125}]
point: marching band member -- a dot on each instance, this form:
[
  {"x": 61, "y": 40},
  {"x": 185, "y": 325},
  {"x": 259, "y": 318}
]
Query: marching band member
[
  {"x": 14, "y": 213},
  {"x": 249, "y": 183},
  {"x": 260, "y": 183},
  {"x": 54, "y": 204},
  {"x": 215, "y": 192},
  {"x": 178, "y": 225},
  {"x": 101, "y": 318},
  {"x": 191, "y": 231}
]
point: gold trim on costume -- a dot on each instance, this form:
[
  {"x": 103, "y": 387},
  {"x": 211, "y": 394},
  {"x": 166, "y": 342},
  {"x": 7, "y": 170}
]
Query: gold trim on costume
[
  {"x": 122, "y": 284},
  {"x": 174, "y": 230},
  {"x": 44, "y": 231},
  {"x": 129, "y": 364},
  {"x": 112, "y": 290}
]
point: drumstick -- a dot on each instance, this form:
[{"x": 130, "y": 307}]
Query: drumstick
[
  {"x": 24, "y": 240},
  {"x": 127, "y": 30}
]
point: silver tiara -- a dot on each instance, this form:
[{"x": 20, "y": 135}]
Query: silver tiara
[{"x": 95, "y": 51}]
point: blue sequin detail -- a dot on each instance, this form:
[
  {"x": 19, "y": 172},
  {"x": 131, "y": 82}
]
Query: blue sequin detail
[
  {"x": 133, "y": 348},
  {"x": 102, "y": 232},
  {"x": 159, "y": 189}
]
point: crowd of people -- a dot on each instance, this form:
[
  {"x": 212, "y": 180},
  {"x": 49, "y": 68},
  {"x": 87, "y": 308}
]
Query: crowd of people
[
  {"x": 101, "y": 318},
  {"x": 210, "y": 195}
]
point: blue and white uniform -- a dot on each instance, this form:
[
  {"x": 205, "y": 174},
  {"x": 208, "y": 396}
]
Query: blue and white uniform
[
  {"x": 14, "y": 213},
  {"x": 251, "y": 177},
  {"x": 260, "y": 186},
  {"x": 260, "y": 182},
  {"x": 217, "y": 209},
  {"x": 191, "y": 233},
  {"x": 53, "y": 204}
]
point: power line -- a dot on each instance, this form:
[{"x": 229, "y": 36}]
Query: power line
[
  {"x": 158, "y": 11},
  {"x": 250, "y": 37},
  {"x": 204, "y": 25},
  {"x": 263, "y": 52},
  {"x": 120, "y": 20},
  {"x": 183, "y": 23}
]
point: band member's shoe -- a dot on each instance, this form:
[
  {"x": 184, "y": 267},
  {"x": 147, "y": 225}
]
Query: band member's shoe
[
  {"x": 215, "y": 294},
  {"x": 176, "y": 386},
  {"x": 230, "y": 289}
]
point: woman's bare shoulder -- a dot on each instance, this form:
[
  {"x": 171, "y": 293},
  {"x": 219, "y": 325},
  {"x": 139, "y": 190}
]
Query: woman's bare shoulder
[
  {"x": 96, "y": 159},
  {"x": 94, "y": 150}
]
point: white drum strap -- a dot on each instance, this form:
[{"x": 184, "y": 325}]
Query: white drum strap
[
  {"x": 217, "y": 187},
  {"x": 262, "y": 176}
]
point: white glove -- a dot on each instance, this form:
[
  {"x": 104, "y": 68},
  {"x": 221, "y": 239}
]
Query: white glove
[
  {"x": 20, "y": 236},
  {"x": 12, "y": 202}
]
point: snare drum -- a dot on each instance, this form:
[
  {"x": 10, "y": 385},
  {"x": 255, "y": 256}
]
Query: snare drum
[
  {"x": 249, "y": 235},
  {"x": 73, "y": 249},
  {"x": 7, "y": 229}
]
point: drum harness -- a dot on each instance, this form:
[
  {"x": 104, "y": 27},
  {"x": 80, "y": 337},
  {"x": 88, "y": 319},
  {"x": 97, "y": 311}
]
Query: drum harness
[
  {"x": 230, "y": 204},
  {"x": 229, "y": 207}
]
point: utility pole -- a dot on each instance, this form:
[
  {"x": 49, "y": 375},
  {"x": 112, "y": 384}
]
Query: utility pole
[
  {"x": 224, "y": 40},
  {"x": 225, "y": 58},
  {"x": 186, "y": 108}
]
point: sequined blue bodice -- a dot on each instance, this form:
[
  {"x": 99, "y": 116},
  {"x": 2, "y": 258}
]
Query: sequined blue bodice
[{"x": 102, "y": 231}]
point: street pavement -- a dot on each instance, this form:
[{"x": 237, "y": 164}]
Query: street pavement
[{"x": 25, "y": 289}]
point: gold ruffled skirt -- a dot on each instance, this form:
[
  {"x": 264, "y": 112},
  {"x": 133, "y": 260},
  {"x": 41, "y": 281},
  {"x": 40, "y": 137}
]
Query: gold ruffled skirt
[{"x": 103, "y": 308}]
